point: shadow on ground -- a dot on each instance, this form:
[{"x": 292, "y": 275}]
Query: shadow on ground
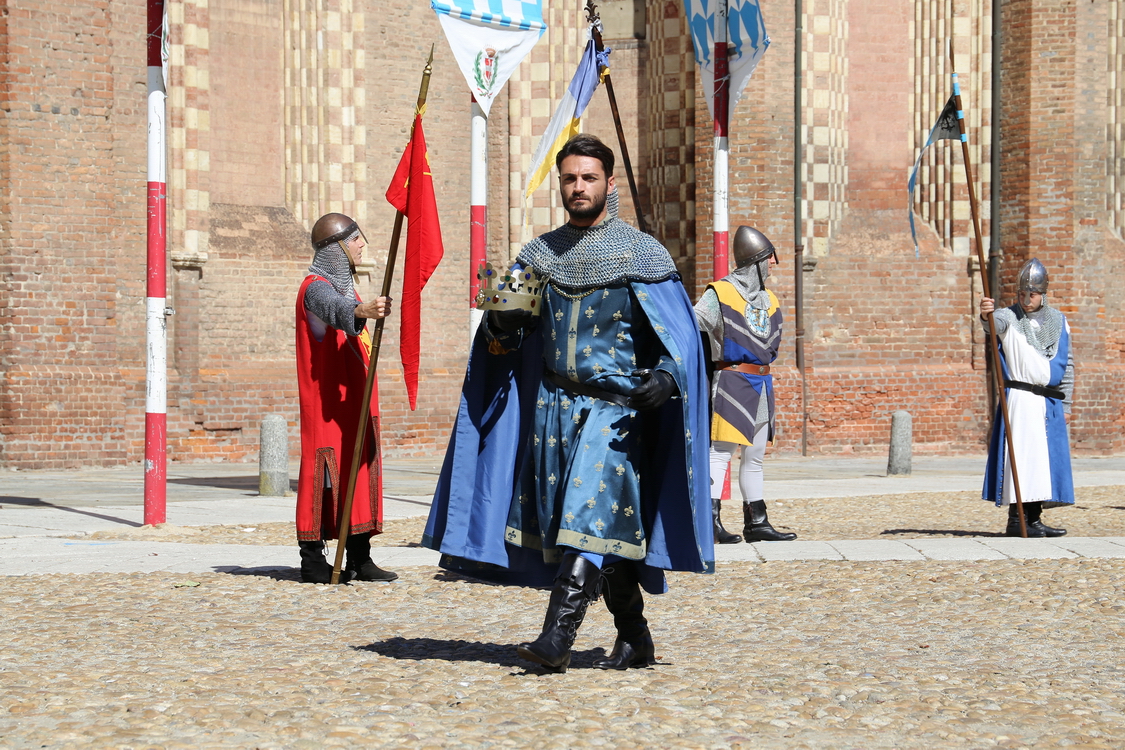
[
  {"x": 502, "y": 654},
  {"x": 941, "y": 532}
]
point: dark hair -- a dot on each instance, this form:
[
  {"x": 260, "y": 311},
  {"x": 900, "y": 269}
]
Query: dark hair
[{"x": 584, "y": 144}]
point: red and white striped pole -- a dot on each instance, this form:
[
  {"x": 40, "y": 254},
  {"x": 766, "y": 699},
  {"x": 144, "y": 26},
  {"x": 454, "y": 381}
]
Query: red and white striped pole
[
  {"x": 478, "y": 208},
  {"x": 719, "y": 209},
  {"x": 156, "y": 359},
  {"x": 720, "y": 216}
]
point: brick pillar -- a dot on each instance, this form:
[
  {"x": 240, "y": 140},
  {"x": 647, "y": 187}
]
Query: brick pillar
[{"x": 1054, "y": 191}]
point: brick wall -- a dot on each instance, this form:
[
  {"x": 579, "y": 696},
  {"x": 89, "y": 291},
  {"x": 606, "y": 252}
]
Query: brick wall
[{"x": 885, "y": 331}]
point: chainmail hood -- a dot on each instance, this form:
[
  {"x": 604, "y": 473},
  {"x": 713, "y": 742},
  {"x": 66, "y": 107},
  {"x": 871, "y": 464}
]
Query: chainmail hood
[
  {"x": 746, "y": 281},
  {"x": 332, "y": 263},
  {"x": 1041, "y": 328},
  {"x": 589, "y": 257}
]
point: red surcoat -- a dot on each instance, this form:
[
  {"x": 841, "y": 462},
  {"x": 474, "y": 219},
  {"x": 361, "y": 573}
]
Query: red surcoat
[{"x": 331, "y": 375}]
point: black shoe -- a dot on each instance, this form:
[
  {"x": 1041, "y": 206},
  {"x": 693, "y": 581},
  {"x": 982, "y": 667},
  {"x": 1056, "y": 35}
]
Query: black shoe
[
  {"x": 1034, "y": 512},
  {"x": 722, "y": 536},
  {"x": 576, "y": 585},
  {"x": 314, "y": 568},
  {"x": 623, "y": 598},
  {"x": 360, "y": 565},
  {"x": 757, "y": 526}
]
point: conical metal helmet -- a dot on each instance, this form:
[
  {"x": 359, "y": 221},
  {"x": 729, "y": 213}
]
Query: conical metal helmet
[
  {"x": 333, "y": 228},
  {"x": 1033, "y": 277},
  {"x": 751, "y": 246}
]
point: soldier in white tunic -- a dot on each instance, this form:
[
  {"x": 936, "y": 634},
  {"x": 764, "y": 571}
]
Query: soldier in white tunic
[{"x": 1039, "y": 384}]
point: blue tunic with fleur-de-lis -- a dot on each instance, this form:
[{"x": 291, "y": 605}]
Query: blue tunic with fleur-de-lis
[{"x": 580, "y": 487}]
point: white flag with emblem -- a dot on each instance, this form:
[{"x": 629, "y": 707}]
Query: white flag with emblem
[
  {"x": 489, "y": 39},
  {"x": 746, "y": 37}
]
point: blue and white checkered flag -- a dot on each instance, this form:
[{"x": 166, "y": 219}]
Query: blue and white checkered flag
[{"x": 746, "y": 35}]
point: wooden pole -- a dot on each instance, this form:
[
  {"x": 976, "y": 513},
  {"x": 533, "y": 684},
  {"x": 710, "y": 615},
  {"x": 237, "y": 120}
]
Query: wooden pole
[
  {"x": 998, "y": 376},
  {"x": 373, "y": 360},
  {"x": 595, "y": 20}
]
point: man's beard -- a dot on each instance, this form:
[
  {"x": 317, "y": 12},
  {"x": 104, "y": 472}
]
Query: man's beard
[{"x": 597, "y": 205}]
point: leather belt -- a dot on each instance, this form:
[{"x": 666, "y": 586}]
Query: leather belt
[
  {"x": 584, "y": 389},
  {"x": 749, "y": 369},
  {"x": 1038, "y": 390}
]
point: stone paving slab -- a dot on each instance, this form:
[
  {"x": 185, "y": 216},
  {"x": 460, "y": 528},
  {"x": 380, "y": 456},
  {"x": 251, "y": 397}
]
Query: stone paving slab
[
  {"x": 876, "y": 549},
  {"x": 954, "y": 549},
  {"x": 1028, "y": 549},
  {"x": 796, "y": 550},
  {"x": 1097, "y": 547}
]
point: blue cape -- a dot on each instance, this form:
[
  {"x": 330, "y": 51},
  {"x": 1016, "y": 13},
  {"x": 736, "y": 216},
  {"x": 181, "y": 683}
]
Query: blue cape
[{"x": 469, "y": 513}]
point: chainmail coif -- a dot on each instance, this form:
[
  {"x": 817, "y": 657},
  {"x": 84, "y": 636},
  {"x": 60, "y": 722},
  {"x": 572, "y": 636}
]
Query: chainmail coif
[
  {"x": 1045, "y": 336},
  {"x": 332, "y": 263},
  {"x": 597, "y": 256}
]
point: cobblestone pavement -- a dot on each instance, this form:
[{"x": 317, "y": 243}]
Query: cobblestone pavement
[{"x": 1007, "y": 654}]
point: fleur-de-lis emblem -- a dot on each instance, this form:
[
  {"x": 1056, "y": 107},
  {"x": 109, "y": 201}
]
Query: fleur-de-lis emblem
[
  {"x": 620, "y": 470},
  {"x": 617, "y": 315},
  {"x": 569, "y": 518},
  {"x": 512, "y": 535},
  {"x": 688, "y": 434},
  {"x": 605, "y": 431},
  {"x": 578, "y": 481},
  {"x": 536, "y": 438},
  {"x": 621, "y": 337},
  {"x": 558, "y": 353},
  {"x": 599, "y": 466},
  {"x": 679, "y": 361},
  {"x": 599, "y": 525},
  {"x": 632, "y": 359},
  {"x": 612, "y": 352},
  {"x": 588, "y": 351},
  {"x": 659, "y": 328},
  {"x": 554, "y": 335},
  {"x": 638, "y": 535},
  {"x": 689, "y": 472},
  {"x": 598, "y": 369},
  {"x": 589, "y": 312},
  {"x": 597, "y": 330},
  {"x": 565, "y": 441},
  {"x": 601, "y": 486},
  {"x": 591, "y": 503},
  {"x": 629, "y": 510},
  {"x": 551, "y": 441},
  {"x": 642, "y": 296},
  {"x": 617, "y": 547},
  {"x": 584, "y": 541},
  {"x": 578, "y": 420},
  {"x": 565, "y": 403},
  {"x": 572, "y": 334},
  {"x": 605, "y": 293},
  {"x": 540, "y": 403},
  {"x": 552, "y": 479},
  {"x": 613, "y": 507},
  {"x": 559, "y": 315}
]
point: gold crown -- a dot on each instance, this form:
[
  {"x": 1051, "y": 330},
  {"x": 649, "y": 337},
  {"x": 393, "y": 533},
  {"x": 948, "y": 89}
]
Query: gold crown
[{"x": 508, "y": 290}]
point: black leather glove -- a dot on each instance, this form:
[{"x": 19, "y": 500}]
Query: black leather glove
[
  {"x": 510, "y": 321},
  {"x": 656, "y": 388}
]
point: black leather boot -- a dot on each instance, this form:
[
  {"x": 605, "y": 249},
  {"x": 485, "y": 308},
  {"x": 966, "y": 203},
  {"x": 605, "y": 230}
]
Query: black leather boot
[
  {"x": 757, "y": 525},
  {"x": 1036, "y": 527},
  {"x": 623, "y": 598},
  {"x": 722, "y": 536},
  {"x": 576, "y": 585},
  {"x": 314, "y": 568},
  {"x": 360, "y": 565},
  {"x": 1013, "y": 527}
]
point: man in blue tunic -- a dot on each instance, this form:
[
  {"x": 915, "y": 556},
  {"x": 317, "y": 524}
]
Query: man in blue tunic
[
  {"x": 1039, "y": 385},
  {"x": 580, "y": 450}
]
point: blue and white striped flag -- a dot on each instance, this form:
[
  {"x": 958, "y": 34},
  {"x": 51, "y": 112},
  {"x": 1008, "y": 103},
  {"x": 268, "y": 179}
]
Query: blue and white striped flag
[
  {"x": 566, "y": 121},
  {"x": 746, "y": 33},
  {"x": 489, "y": 39},
  {"x": 945, "y": 129}
]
